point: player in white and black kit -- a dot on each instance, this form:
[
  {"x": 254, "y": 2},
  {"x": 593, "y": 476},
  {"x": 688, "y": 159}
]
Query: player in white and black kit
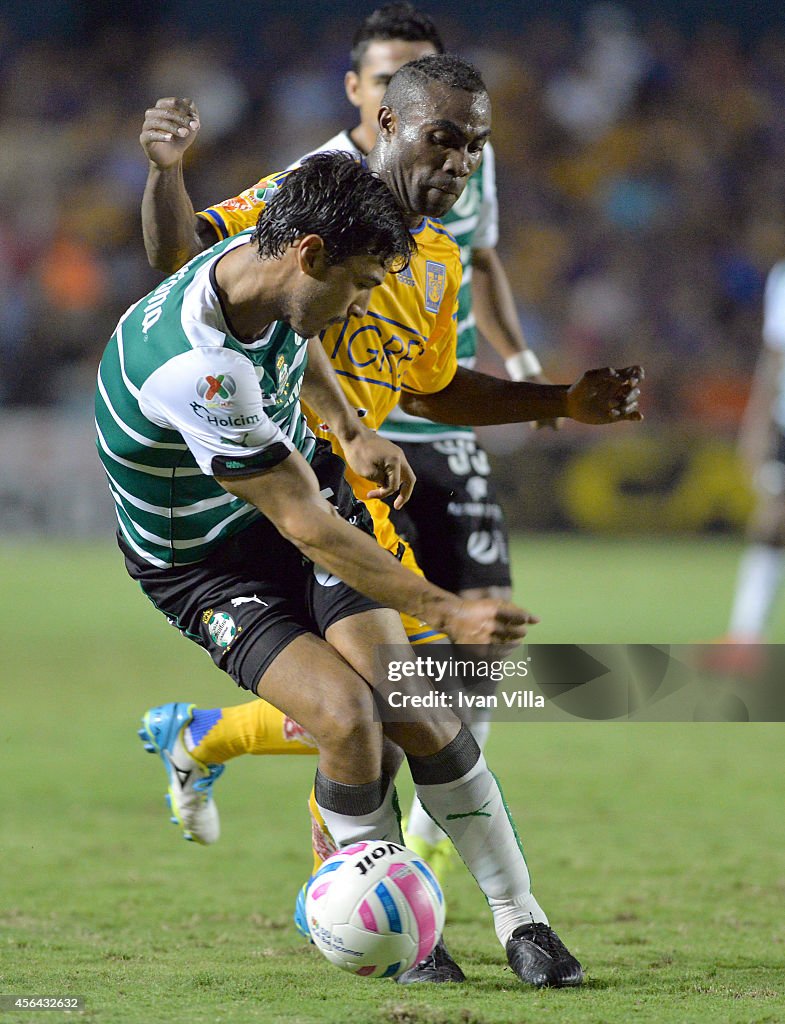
[{"x": 762, "y": 446}]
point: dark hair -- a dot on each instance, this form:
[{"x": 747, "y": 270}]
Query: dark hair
[
  {"x": 336, "y": 197},
  {"x": 409, "y": 80},
  {"x": 394, "y": 21}
]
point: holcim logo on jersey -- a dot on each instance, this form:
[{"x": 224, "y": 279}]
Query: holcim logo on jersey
[
  {"x": 221, "y": 418},
  {"x": 222, "y": 385}
]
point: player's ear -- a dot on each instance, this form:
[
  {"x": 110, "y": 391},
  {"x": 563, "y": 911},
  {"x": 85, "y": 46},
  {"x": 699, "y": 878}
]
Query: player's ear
[
  {"x": 311, "y": 255},
  {"x": 388, "y": 121},
  {"x": 351, "y": 83}
]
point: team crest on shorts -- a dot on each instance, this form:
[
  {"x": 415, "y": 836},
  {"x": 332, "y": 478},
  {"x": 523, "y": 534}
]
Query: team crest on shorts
[
  {"x": 222, "y": 629},
  {"x": 435, "y": 280}
]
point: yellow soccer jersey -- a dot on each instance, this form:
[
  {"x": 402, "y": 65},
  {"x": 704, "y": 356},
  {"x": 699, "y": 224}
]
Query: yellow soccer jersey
[
  {"x": 405, "y": 342},
  {"x": 407, "y": 339}
]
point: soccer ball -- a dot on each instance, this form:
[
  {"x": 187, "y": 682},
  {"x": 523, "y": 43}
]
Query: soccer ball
[{"x": 375, "y": 909}]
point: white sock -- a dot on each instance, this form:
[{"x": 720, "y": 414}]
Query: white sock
[
  {"x": 356, "y": 813},
  {"x": 757, "y": 585},
  {"x": 472, "y": 812},
  {"x": 420, "y": 824}
]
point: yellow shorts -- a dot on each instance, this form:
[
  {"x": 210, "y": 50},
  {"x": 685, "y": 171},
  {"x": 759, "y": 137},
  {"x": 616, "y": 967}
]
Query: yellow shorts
[{"x": 417, "y": 631}]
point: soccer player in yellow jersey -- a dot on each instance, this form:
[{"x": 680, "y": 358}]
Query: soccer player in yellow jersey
[
  {"x": 433, "y": 125},
  {"x": 407, "y": 342},
  {"x": 453, "y": 521}
]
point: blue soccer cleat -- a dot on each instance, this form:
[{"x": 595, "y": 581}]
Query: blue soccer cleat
[
  {"x": 300, "y": 918},
  {"x": 190, "y": 797}
]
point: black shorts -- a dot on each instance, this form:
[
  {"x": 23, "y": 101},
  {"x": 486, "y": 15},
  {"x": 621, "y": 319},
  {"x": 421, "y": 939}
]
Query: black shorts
[
  {"x": 453, "y": 521},
  {"x": 256, "y": 592}
]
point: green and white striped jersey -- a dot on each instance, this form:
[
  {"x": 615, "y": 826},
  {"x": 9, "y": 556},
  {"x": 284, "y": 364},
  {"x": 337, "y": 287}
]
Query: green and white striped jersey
[
  {"x": 179, "y": 401},
  {"x": 474, "y": 223}
]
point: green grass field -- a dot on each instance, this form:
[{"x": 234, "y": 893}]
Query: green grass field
[{"x": 656, "y": 848}]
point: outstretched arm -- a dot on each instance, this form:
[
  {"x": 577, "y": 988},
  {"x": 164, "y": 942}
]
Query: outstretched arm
[
  {"x": 497, "y": 320},
  {"x": 172, "y": 232},
  {"x": 477, "y": 399}
]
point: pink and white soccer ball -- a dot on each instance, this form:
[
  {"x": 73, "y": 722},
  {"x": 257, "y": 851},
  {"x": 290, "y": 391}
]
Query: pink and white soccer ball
[{"x": 375, "y": 909}]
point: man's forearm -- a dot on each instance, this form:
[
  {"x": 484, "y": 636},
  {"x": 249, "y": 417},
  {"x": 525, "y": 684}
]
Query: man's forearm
[
  {"x": 357, "y": 558},
  {"x": 288, "y": 496},
  {"x": 477, "y": 399},
  {"x": 322, "y": 393},
  {"x": 168, "y": 220},
  {"x": 367, "y": 455}
]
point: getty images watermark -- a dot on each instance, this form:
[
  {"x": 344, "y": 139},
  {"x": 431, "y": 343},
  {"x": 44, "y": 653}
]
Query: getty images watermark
[
  {"x": 457, "y": 682},
  {"x": 596, "y": 682}
]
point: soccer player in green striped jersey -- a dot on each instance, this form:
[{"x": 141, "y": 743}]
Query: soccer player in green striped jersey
[
  {"x": 225, "y": 520},
  {"x": 432, "y": 93},
  {"x": 200, "y": 382}
]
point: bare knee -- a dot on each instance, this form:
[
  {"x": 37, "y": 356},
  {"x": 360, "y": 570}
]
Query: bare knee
[{"x": 347, "y": 724}]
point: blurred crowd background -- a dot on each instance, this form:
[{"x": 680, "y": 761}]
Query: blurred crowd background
[{"x": 640, "y": 163}]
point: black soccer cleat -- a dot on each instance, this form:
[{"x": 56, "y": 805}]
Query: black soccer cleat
[
  {"x": 539, "y": 958},
  {"x": 435, "y": 969}
]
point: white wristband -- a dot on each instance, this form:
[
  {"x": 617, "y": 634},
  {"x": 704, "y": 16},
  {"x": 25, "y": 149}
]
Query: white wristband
[{"x": 523, "y": 365}]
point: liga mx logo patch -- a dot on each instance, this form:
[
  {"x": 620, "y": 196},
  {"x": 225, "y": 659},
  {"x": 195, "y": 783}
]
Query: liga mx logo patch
[
  {"x": 222, "y": 385},
  {"x": 435, "y": 280}
]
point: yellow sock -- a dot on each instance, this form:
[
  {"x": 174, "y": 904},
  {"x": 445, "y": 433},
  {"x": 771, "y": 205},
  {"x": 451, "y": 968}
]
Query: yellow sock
[
  {"x": 322, "y": 843},
  {"x": 257, "y": 727}
]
